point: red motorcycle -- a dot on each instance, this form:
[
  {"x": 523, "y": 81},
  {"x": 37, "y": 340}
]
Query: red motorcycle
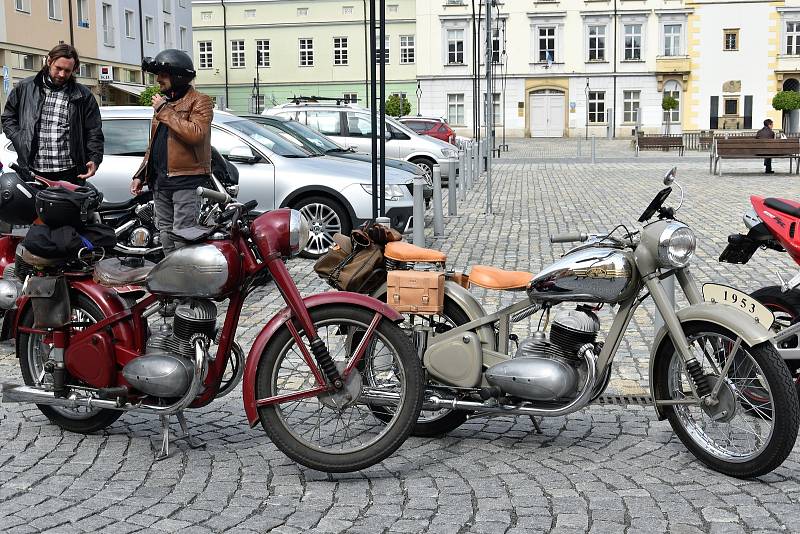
[
  {"x": 774, "y": 223},
  {"x": 332, "y": 378}
]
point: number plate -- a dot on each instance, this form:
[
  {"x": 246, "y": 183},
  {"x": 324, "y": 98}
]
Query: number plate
[{"x": 743, "y": 301}]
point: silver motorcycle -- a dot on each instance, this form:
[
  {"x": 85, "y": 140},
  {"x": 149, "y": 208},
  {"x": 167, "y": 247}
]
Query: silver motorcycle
[{"x": 714, "y": 374}]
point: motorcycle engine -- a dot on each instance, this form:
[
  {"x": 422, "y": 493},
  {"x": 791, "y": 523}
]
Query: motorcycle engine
[
  {"x": 166, "y": 369},
  {"x": 547, "y": 369}
]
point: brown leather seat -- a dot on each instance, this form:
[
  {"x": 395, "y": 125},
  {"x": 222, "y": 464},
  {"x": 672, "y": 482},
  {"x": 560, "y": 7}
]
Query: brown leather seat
[
  {"x": 39, "y": 262},
  {"x": 494, "y": 278},
  {"x": 114, "y": 273},
  {"x": 406, "y": 252}
]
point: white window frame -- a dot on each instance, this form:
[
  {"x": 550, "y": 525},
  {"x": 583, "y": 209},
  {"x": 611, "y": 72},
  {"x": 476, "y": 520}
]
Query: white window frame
[
  {"x": 793, "y": 36},
  {"x": 54, "y": 10},
  {"x": 671, "y": 20},
  {"x": 634, "y": 35},
  {"x": 168, "y": 35},
  {"x": 631, "y": 104},
  {"x": 340, "y": 51},
  {"x": 408, "y": 52},
  {"x": 673, "y": 88},
  {"x": 600, "y": 45},
  {"x": 350, "y": 97},
  {"x": 238, "y": 54},
  {"x": 385, "y": 48},
  {"x": 546, "y": 32},
  {"x": 497, "y": 107},
  {"x": 182, "y": 35},
  {"x": 82, "y": 13},
  {"x": 263, "y": 46},
  {"x": 452, "y": 57},
  {"x": 456, "y": 102},
  {"x": 593, "y": 99},
  {"x": 166, "y": 6},
  {"x": 107, "y": 14},
  {"x": 305, "y": 52},
  {"x": 148, "y": 29},
  {"x": 129, "y": 24},
  {"x": 539, "y": 21},
  {"x": 205, "y": 54},
  {"x": 23, "y": 6}
]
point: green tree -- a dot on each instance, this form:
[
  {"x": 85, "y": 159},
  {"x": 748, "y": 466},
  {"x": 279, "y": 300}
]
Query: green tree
[
  {"x": 669, "y": 103},
  {"x": 145, "y": 99},
  {"x": 397, "y": 107}
]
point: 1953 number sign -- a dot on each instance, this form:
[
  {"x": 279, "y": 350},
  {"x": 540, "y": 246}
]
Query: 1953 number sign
[{"x": 743, "y": 301}]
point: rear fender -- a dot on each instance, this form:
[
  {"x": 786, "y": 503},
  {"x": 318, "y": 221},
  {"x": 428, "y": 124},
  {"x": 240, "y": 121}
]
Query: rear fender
[{"x": 268, "y": 332}]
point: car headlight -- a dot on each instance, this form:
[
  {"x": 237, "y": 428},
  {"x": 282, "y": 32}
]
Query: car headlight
[
  {"x": 676, "y": 245},
  {"x": 391, "y": 192},
  {"x": 448, "y": 153},
  {"x": 298, "y": 232}
]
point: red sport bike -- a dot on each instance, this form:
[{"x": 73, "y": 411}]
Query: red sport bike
[{"x": 332, "y": 378}]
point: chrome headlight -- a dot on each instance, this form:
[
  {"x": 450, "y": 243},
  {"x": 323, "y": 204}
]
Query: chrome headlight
[
  {"x": 676, "y": 245},
  {"x": 448, "y": 153},
  {"x": 298, "y": 232},
  {"x": 391, "y": 192}
]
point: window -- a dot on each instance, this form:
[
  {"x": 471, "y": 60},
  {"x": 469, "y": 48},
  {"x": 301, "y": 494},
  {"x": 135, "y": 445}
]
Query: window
[
  {"x": 497, "y": 112},
  {"x": 340, "y": 50},
  {"x": 633, "y": 42},
  {"x": 125, "y": 137},
  {"x": 326, "y": 122},
  {"x": 205, "y": 16},
  {"x": 350, "y": 97},
  {"x": 256, "y": 103},
  {"x": 249, "y": 13},
  {"x": 133, "y": 76},
  {"x": 730, "y": 40},
  {"x": 347, "y": 10},
  {"x": 385, "y": 49},
  {"x": 129, "y": 24},
  {"x": 83, "y": 14},
  {"x": 455, "y": 47},
  {"x": 547, "y": 44},
  {"x": 54, "y": 9},
  {"x": 23, "y": 5},
  {"x": 108, "y": 27},
  {"x": 148, "y": 29},
  {"x": 671, "y": 88},
  {"x": 597, "y": 107},
  {"x": 168, "y": 35},
  {"x": 262, "y": 52},
  {"x": 793, "y": 38},
  {"x": 496, "y": 46},
  {"x": 26, "y": 61},
  {"x": 455, "y": 109},
  {"x": 182, "y": 37},
  {"x": 630, "y": 106},
  {"x": 732, "y": 106},
  {"x": 84, "y": 70},
  {"x": 407, "y": 52},
  {"x": 306, "y": 52},
  {"x": 206, "y": 54},
  {"x": 237, "y": 54},
  {"x": 672, "y": 39},
  {"x": 597, "y": 43},
  {"x": 392, "y": 8},
  {"x": 302, "y": 11},
  {"x": 167, "y": 6}
]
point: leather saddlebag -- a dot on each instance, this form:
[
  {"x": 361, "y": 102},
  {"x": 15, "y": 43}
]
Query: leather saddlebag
[{"x": 420, "y": 292}]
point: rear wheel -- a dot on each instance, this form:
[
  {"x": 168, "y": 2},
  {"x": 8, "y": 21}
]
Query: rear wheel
[
  {"x": 325, "y": 217},
  {"x": 786, "y": 308}
]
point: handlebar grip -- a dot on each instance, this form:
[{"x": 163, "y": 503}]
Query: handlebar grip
[
  {"x": 20, "y": 171},
  {"x": 568, "y": 237},
  {"x": 214, "y": 196}
]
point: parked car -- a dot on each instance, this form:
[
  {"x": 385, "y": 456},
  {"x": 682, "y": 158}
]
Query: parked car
[
  {"x": 350, "y": 125},
  {"x": 334, "y": 194},
  {"x": 325, "y": 146},
  {"x": 433, "y": 126}
]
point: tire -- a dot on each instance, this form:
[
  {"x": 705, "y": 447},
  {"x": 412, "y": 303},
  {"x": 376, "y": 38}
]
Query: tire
[
  {"x": 431, "y": 423},
  {"x": 326, "y": 217},
  {"x": 402, "y": 373},
  {"x": 79, "y": 420},
  {"x": 426, "y": 165},
  {"x": 758, "y": 368},
  {"x": 786, "y": 307}
]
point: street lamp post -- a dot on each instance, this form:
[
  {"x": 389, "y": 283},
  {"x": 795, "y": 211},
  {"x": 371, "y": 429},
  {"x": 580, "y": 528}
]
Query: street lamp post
[{"x": 586, "y": 92}]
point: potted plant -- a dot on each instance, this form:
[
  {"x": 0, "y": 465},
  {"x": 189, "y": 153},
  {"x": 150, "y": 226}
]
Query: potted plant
[
  {"x": 786, "y": 102},
  {"x": 669, "y": 103}
]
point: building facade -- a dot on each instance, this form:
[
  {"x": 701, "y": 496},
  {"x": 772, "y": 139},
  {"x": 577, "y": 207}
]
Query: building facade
[
  {"x": 253, "y": 54},
  {"x": 110, "y": 36}
]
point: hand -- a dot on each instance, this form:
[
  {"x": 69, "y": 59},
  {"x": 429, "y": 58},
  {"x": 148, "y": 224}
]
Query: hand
[
  {"x": 136, "y": 186},
  {"x": 91, "y": 168},
  {"x": 158, "y": 100}
]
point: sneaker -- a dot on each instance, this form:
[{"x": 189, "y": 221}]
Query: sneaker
[{"x": 769, "y": 171}]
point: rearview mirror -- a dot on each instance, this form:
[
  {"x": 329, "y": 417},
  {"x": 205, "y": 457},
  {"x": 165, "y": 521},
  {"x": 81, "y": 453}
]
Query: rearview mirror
[
  {"x": 670, "y": 176},
  {"x": 243, "y": 154}
]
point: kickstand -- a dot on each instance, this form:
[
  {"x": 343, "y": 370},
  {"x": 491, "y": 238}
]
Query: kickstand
[
  {"x": 185, "y": 435},
  {"x": 536, "y": 424}
]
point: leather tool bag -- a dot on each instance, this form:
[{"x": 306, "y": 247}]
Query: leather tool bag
[
  {"x": 419, "y": 292},
  {"x": 50, "y": 301},
  {"x": 352, "y": 264}
]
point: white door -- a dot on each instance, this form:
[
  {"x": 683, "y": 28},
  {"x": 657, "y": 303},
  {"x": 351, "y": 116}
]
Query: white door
[{"x": 547, "y": 114}]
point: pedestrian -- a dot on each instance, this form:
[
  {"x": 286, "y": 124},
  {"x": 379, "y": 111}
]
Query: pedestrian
[
  {"x": 54, "y": 121},
  {"x": 767, "y": 133},
  {"x": 178, "y": 159}
]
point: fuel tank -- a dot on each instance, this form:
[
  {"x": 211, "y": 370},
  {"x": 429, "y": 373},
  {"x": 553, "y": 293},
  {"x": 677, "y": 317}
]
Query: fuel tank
[
  {"x": 594, "y": 274},
  {"x": 208, "y": 270}
]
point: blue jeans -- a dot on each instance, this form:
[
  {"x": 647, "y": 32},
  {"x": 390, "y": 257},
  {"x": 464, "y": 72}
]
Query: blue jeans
[{"x": 175, "y": 210}]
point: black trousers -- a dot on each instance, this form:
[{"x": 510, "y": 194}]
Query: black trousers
[
  {"x": 768, "y": 163},
  {"x": 69, "y": 175}
]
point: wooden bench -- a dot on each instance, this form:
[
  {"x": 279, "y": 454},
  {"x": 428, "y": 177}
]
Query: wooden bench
[
  {"x": 659, "y": 142},
  {"x": 752, "y": 148}
]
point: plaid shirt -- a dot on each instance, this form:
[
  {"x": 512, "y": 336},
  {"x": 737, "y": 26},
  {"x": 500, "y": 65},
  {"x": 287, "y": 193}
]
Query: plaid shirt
[{"x": 53, "y": 154}]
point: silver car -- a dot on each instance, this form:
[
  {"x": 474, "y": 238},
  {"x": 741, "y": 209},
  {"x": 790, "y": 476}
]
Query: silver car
[{"x": 334, "y": 194}]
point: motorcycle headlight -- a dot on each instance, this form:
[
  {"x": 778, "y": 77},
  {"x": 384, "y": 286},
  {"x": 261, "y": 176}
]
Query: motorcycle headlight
[
  {"x": 448, "y": 153},
  {"x": 676, "y": 245},
  {"x": 391, "y": 192},
  {"x": 298, "y": 232}
]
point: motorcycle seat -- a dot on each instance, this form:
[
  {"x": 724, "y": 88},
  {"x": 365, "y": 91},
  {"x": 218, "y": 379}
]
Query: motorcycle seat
[
  {"x": 493, "y": 278},
  {"x": 38, "y": 261},
  {"x": 117, "y": 272},
  {"x": 783, "y": 206},
  {"x": 406, "y": 252},
  {"x": 118, "y": 206}
]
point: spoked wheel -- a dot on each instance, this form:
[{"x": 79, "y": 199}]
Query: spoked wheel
[
  {"x": 339, "y": 432},
  {"x": 33, "y": 353},
  {"x": 786, "y": 309},
  {"x": 753, "y": 427}
]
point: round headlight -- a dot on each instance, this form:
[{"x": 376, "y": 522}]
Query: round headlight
[
  {"x": 676, "y": 245},
  {"x": 298, "y": 232}
]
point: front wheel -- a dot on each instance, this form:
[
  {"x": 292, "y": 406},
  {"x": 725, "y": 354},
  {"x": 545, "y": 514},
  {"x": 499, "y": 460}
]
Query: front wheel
[
  {"x": 753, "y": 428},
  {"x": 338, "y": 431}
]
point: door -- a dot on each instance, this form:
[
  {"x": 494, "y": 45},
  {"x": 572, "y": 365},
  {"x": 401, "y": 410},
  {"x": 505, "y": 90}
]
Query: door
[{"x": 547, "y": 113}]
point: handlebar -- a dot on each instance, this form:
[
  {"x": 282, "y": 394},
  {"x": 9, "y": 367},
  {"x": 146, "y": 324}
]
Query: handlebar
[
  {"x": 569, "y": 237},
  {"x": 26, "y": 175},
  {"x": 214, "y": 196}
]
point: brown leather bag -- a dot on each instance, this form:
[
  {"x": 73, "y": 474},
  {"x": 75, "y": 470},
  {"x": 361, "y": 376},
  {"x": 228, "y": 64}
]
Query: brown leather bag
[{"x": 352, "y": 263}]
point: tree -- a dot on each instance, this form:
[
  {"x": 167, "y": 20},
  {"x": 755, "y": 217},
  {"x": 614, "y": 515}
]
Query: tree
[
  {"x": 145, "y": 99},
  {"x": 397, "y": 107},
  {"x": 786, "y": 101},
  {"x": 669, "y": 103}
]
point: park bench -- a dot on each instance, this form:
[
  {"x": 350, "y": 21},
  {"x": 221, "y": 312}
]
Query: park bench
[
  {"x": 659, "y": 142},
  {"x": 752, "y": 148}
]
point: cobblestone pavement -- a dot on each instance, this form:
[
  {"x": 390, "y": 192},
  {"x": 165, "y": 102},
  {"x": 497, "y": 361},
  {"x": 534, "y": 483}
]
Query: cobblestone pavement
[{"x": 604, "y": 469}]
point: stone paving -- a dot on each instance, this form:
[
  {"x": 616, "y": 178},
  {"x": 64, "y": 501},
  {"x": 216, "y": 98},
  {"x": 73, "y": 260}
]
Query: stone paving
[{"x": 606, "y": 469}]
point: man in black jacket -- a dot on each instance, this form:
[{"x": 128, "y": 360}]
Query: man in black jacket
[
  {"x": 54, "y": 122},
  {"x": 767, "y": 133}
]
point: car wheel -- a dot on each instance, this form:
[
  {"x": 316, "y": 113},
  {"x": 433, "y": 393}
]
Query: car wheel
[
  {"x": 325, "y": 217},
  {"x": 427, "y": 168}
]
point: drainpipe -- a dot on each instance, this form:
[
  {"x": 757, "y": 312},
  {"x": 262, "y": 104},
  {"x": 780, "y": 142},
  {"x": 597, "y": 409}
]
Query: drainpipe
[
  {"x": 367, "y": 56},
  {"x": 141, "y": 35},
  {"x": 71, "y": 24},
  {"x": 614, "y": 77},
  {"x": 225, "y": 48}
]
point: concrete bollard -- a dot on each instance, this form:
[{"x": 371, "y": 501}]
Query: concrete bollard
[
  {"x": 594, "y": 150},
  {"x": 466, "y": 168},
  {"x": 476, "y": 162},
  {"x": 452, "y": 208},
  {"x": 579, "y": 147},
  {"x": 419, "y": 211},
  {"x": 438, "y": 214}
]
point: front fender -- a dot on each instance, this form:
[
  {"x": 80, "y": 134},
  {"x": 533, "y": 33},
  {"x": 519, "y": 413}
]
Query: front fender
[
  {"x": 263, "y": 339},
  {"x": 724, "y": 315}
]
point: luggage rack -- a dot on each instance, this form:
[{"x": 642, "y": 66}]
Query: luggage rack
[{"x": 316, "y": 99}]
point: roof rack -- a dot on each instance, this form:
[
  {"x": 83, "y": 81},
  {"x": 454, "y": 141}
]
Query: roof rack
[{"x": 305, "y": 99}]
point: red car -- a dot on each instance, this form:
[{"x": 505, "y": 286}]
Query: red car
[{"x": 433, "y": 126}]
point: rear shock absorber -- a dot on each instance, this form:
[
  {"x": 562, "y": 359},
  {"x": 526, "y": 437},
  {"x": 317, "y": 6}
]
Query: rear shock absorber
[{"x": 699, "y": 378}]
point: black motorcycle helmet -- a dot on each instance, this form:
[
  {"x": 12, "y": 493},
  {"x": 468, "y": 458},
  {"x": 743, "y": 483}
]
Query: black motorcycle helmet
[
  {"x": 17, "y": 200},
  {"x": 174, "y": 62}
]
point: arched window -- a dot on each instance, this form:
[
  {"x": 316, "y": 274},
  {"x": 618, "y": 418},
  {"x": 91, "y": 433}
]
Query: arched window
[
  {"x": 673, "y": 89},
  {"x": 791, "y": 84}
]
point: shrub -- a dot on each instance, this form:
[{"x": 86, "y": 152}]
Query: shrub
[
  {"x": 145, "y": 99},
  {"x": 395, "y": 107}
]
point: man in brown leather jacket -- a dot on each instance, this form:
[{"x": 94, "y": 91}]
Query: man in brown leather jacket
[{"x": 178, "y": 159}]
